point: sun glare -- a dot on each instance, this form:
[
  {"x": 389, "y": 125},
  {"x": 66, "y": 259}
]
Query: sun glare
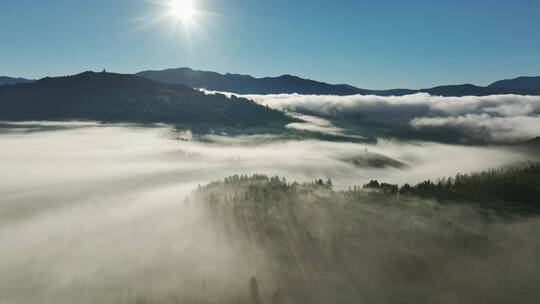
[{"x": 182, "y": 9}]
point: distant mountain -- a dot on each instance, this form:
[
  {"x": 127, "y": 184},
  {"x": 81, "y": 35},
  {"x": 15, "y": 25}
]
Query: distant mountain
[
  {"x": 127, "y": 98},
  {"x": 472, "y": 90},
  {"x": 390, "y": 92},
  {"x": 520, "y": 83},
  {"x": 4, "y": 80},
  {"x": 245, "y": 84}
]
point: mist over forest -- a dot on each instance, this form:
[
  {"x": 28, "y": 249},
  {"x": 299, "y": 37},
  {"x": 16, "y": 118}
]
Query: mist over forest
[
  {"x": 269, "y": 152},
  {"x": 123, "y": 213}
]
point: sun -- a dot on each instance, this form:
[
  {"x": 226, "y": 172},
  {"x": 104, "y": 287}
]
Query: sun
[{"x": 183, "y": 10}]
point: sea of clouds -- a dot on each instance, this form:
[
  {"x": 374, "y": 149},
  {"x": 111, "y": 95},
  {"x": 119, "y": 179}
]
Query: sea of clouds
[
  {"x": 487, "y": 119},
  {"x": 94, "y": 213}
]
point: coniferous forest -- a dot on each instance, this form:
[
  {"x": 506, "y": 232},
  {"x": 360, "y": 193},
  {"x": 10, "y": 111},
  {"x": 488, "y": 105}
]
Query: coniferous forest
[{"x": 453, "y": 240}]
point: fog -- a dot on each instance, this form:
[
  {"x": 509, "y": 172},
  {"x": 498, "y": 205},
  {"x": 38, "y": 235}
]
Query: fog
[
  {"x": 485, "y": 119},
  {"x": 93, "y": 213},
  {"x": 319, "y": 246}
]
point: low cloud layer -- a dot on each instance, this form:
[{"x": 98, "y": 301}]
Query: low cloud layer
[
  {"x": 485, "y": 127},
  {"x": 94, "y": 213},
  {"x": 496, "y": 118},
  {"x": 319, "y": 125}
]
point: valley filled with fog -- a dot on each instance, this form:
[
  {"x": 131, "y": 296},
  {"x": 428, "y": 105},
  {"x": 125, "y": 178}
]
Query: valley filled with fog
[
  {"x": 269, "y": 152},
  {"x": 107, "y": 213},
  {"x": 463, "y": 120}
]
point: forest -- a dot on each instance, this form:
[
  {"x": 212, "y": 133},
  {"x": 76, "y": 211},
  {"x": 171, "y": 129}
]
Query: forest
[
  {"x": 430, "y": 242},
  {"x": 515, "y": 187}
]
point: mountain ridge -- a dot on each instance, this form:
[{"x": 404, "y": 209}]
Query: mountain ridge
[
  {"x": 243, "y": 84},
  {"x": 526, "y": 82},
  {"x": 6, "y": 80},
  {"x": 286, "y": 84}
]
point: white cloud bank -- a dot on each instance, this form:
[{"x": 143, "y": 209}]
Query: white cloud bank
[
  {"x": 486, "y": 127},
  {"x": 493, "y": 118},
  {"x": 95, "y": 213},
  {"x": 506, "y": 105}
]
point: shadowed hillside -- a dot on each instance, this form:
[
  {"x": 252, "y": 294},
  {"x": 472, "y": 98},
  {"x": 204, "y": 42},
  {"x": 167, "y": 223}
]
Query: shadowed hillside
[
  {"x": 520, "y": 83},
  {"x": 125, "y": 98}
]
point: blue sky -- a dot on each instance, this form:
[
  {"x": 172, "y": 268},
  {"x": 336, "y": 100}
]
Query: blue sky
[{"x": 370, "y": 44}]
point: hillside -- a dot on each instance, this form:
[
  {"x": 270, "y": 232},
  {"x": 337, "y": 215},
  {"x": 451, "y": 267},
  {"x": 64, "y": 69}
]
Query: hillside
[
  {"x": 520, "y": 83},
  {"x": 126, "y": 98}
]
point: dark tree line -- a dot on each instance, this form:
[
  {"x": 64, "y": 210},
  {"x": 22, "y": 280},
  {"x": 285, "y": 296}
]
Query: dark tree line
[
  {"x": 519, "y": 186},
  {"x": 378, "y": 241},
  {"x": 516, "y": 185}
]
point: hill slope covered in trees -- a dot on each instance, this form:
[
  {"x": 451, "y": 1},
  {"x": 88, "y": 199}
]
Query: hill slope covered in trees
[
  {"x": 312, "y": 244},
  {"x": 125, "y": 98}
]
